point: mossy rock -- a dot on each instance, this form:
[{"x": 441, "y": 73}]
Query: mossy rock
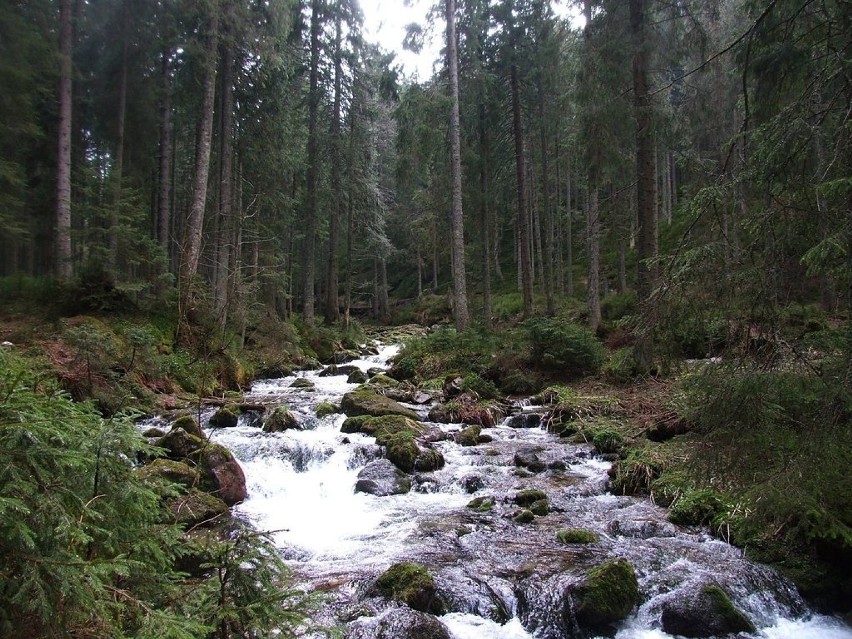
[
  {"x": 324, "y": 409},
  {"x": 607, "y": 440},
  {"x": 303, "y": 384},
  {"x": 468, "y": 436},
  {"x": 153, "y": 432},
  {"x": 524, "y": 517},
  {"x": 354, "y": 424},
  {"x": 363, "y": 401},
  {"x": 429, "y": 459},
  {"x": 481, "y": 504},
  {"x": 179, "y": 444},
  {"x": 529, "y": 496},
  {"x": 279, "y": 420},
  {"x": 577, "y": 536},
  {"x": 608, "y": 595},
  {"x": 357, "y": 377},
  {"x": 412, "y": 584},
  {"x": 383, "y": 381},
  {"x": 196, "y": 508},
  {"x": 540, "y": 508},
  {"x": 707, "y": 613},
  {"x": 221, "y": 474},
  {"x": 170, "y": 470},
  {"x": 225, "y": 417},
  {"x": 189, "y": 424}
]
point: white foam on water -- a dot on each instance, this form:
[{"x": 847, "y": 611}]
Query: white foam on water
[{"x": 464, "y": 626}]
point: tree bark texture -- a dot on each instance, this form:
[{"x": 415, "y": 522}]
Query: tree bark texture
[
  {"x": 309, "y": 253},
  {"x": 646, "y": 195},
  {"x": 62, "y": 232},
  {"x": 524, "y": 263},
  {"x": 459, "y": 275},
  {"x": 332, "y": 306},
  {"x": 192, "y": 232}
]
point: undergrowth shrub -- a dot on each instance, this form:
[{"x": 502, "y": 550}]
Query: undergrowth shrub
[{"x": 569, "y": 348}]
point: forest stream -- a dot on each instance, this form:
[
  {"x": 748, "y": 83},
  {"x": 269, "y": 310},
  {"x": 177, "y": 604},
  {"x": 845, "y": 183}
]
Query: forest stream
[{"x": 500, "y": 579}]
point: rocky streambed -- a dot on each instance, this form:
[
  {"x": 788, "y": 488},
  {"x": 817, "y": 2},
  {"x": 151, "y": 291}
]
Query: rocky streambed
[{"x": 415, "y": 529}]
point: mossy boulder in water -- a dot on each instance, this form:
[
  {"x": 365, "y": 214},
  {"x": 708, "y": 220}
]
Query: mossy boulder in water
[
  {"x": 529, "y": 496},
  {"x": 577, "y": 536},
  {"x": 410, "y": 583},
  {"x": 363, "y": 401},
  {"x": 180, "y": 444},
  {"x": 357, "y": 376},
  {"x": 225, "y": 417},
  {"x": 279, "y": 420},
  {"x": 706, "y": 613},
  {"x": 301, "y": 383},
  {"x": 607, "y": 596},
  {"x": 221, "y": 473},
  {"x": 383, "y": 381},
  {"x": 189, "y": 424},
  {"x": 524, "y": 517},
  {"x": 481, "y": 504},
  {"x": 468, "y": 436},
  {"x": 196, "y": 508},
  {"x": 177, "y": 472},
  {"x": 324, "y": 409}
]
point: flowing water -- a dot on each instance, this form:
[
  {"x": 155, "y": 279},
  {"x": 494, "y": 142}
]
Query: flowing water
[{"x": 498, "y": 577}]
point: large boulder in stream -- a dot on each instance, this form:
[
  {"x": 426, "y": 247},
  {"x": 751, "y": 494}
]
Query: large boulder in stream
[
  {"x": 404, "y": 439},
  {"x": 364, "y": 401},
  {"x": 221, "y": 473},
  {"x": 707, "y": 612},
  {"x": 412, "y": 584},
  {"x": 608, "y": 594},
  {"x": 179, "y": 444},
  {"x": 381, "y": 478},
  {"x": 398, "y": 623}
]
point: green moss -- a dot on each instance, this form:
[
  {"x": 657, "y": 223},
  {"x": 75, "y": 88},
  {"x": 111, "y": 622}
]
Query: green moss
[
  {"x": 723, "y": 607},
  {"x": 303, "y": 384},
  {"x": 481, "y": 504},
  {"x": 279, "y": 420},
  {"x": 524, "y": 517},
  {"x": 468, "y": 436},
  {"x": 608, "y": 594},
  {"x": 196, "y": 508},
  {"x": 363, "y": 401},
  {"x": 354, "y": 424},
  {"x": 170, "y": 470},
  {"x": 528, "y": 496},
  {"x": 383, "y": 381},
  {"x": 577, "y": 536},
  {"x": 225, "y": 417},
  {"x": 189, "y": 424},
  {"x": 696, "y": 508},
  {"x": 606, "y": 440},
  {"x": 412, "y": 584},
  {"x": 540, "y": 508},
  {"x": 326, "y": 408}
]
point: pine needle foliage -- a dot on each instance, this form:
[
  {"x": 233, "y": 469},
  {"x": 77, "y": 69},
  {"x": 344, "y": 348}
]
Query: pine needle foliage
[{"x": 85, "y": 548}]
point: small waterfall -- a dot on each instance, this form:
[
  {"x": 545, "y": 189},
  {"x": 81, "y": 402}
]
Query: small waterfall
[{"x": 497, "y": 576}]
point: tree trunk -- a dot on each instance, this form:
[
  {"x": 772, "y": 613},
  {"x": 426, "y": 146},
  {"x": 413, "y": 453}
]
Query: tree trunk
[
  {"x": 593, "y": 230},
  {"x": 332, "y": 304},
  {"x": 226, "y": 173},
  {"x": 485, "y": 216},
  {"x": 308, "y": 256},
  {"x": 115, "y": 212},
  {"x": 165, "y": 181},
  {"x": 192, "y": 231},
  {"x": 459, "y": 274},
  {"x": 62, "y": 233},
  {"x": 546, "y": 208},
  {"x": 646, "y": 196},
  {"x": 523, "y": 215}
]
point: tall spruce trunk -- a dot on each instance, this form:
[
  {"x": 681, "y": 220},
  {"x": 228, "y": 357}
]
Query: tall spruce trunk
[
  {"x": 192, "y": 231},
  {"x": 309, "y": 253},
  {"x": 224, "y": 237},
  {"x": 546, "y": 208},
  {"x": 115, "y": 211},
  {"x": 460, "y": 309},
  {"x": 524, "y": 263},
  {"x": 332, "y": 305},
  {"x": 593, "y": 234},
  {"x": 484, "y": 198},
  {"x": 63, "y": 267},
  {"x": 165, "y": 152},
  {"x": 646, "y": 194}
]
